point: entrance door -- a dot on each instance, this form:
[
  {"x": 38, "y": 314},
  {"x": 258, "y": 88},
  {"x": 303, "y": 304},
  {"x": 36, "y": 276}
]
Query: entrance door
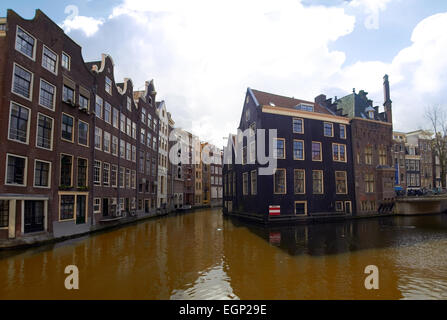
[
  {"x": 81, "y": 209},
  {"x": 127, "y": 203},
  {"x": 105, "y": 207},
  {"x": 34, "y": 216}
]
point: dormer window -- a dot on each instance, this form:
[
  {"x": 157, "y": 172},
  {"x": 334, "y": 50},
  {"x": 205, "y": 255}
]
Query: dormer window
[
  {"x": 108, "y": 85},
  {"x": 371, "y": 114},
  {"x": 305, "y": 107},
  {"x": 129, "y": 104},
  {"x": 272, "y": 104}
]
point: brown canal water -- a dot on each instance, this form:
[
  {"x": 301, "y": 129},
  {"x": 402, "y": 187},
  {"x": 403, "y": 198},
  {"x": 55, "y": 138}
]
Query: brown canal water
[{"x": 203, "y": 255}]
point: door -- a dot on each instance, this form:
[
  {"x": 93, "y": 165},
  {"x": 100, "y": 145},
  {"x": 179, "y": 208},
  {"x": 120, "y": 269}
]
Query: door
[
  {"x": 81, "y": 207},
  {"x": 34, "y": 216},
  {"x": 105, "y": 207}
]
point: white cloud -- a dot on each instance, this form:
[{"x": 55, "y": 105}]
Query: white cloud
[
  {"x": 88, "y": 25},
  {"x": 204, "y": 54}
]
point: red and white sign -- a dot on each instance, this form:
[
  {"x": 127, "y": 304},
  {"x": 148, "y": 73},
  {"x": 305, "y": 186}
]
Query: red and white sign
[{"x": 274, "y": 210}]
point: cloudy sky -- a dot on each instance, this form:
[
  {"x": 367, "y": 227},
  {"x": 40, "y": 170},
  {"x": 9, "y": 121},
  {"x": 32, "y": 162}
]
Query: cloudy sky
[{"x": 203, "y": 54}]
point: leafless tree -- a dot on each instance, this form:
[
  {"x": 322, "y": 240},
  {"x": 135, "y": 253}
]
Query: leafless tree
[{"x": 438, "y": 121}]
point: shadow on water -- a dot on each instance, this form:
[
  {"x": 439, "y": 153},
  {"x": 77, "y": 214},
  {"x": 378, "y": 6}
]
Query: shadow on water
[{"x": 320, "y": 239}]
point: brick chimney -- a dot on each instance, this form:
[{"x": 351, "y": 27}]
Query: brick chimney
[{"x": 387, "y": 101}]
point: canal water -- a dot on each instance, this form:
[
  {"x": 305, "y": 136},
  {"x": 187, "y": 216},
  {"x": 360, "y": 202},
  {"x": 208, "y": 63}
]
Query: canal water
[{"x": 203, "y": 255}]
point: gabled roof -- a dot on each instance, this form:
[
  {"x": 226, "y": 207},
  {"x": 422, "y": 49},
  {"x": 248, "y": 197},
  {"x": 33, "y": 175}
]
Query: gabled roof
[{"x": 270, "y": 99}]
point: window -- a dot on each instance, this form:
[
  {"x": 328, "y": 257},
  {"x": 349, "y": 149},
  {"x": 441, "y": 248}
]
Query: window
[
  {"x": 82, "y": 172},
  {"x": 341, "y": 185},
  {"x": 143, "y": 135},
  {"x": 369, "y": 183},
  {"x": 339, "y": 152},
  {"x": 98, "y": 107},
  {"x": 316, "y": 151},
  {"x": 107, "y": 112},
  {"x": 97, "y": 205},
  {"x": 299, "y": 181},
  {"x": 134, "y": 130},
  {"x": 342, "y": 131},
  {"x": 149, "y": 121},
  {"x": 105, "y": 174},
  {"x": 97, "y": 173},
  {"x": 298, "y": 126},
  {"x": 382, "y": 156},
  {"x": 245, "y": 183},
  {"x": 83, "y": 102},
  {"x": 128, "y": 151},
  {"x": 16, "y": 170},
  {"x": 123, "y": 149},
  {"x": 328, "y": 129},
  {"x": 148, "y": 163},
  {"x": 115, "y": 146},
  {"x": 67, "y": 203},
  {"x": 129, "y": 127},
  {"x": 44, "y": 132},
  {"x": 134, "y": 153},
  {"x": 22, "y": 82},
  {"x": 66, "y": 61},
  {"x": 252, "y": 158},
  {"x": 368, "y": 155},
  {"x": 123, "y": 123},
  {"x": 83, "y": 133},
  {"x": 279, "y": 148},
  {"x": 19, "y": 123},
  {"x": 133, "y": 180},
  {"x": 115, "y": 118},
  {"x": 98, "y": 138},
  {"x": 25, "y": 43},
  {"x": 301, "y": 207},
  {"x": 149, "y": 139},
  {"x": 143, "y": 115},
  {"x": 127, "y": 179},
  {"x": 129, "y": 104},
  {"x": 68, "y": 95},
  {"x": 279, "y": 181},
  {"x": 66, "y": 170},
  {"x": 4, "y": 213},
  {"x": 154, "y": 143},
  {"x": 121, "y": 177},
  {"x": 339, "y": 206},
  {"x": 244, "y": 155},
  {"x": 42, "y": 174},
  {"x": 114, "y": 176},
  {"x": 305, "y": 107},
  {"x": 317, "y": 181},
  {"x": 108, "y": 85},
  {"x": 67, "y": 127},
  {"x": 49, "y": 60},
  {"x": 107, "y": 142},
  {"x": 47, "y": 95},
  {"x": 298, "y": 149},
  {"x": 154, "y": 167}
]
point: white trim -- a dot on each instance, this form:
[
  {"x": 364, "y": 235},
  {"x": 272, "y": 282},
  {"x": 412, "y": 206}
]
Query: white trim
[
  {"x": 52, "y": 131},
  {"x": 54, "y": 97},
  {"x": 28, "y": 123},
  {"x": 31, "y": 82},
  {"x": 33, "y": 58},
  {"x": 49, "y": 174},
  {"x": 25, "y": 175},
  {"x": 56, "y": 64}
]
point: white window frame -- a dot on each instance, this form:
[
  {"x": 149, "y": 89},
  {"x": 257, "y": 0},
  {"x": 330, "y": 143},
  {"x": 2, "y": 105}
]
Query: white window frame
[
  {"x": 56, "y": 65},
  {"x": 49, "y": 174},
  {"x": 69, "y": 61},
  {"x": 28, "y": 124},
  {"x": 32, "y": 83},
  {"x": 52, "y": 131},
  {"x": 54, "y": 97},
  {"x": 33, "y": 58},
  {"x": 25, "y": 174}
]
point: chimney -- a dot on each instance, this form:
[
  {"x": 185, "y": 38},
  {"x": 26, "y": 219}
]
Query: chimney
[{"x": 387, "y": 101}]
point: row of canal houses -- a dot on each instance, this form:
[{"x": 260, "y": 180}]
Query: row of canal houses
[
  {"x": 79, "y": 151},
  {"x": 333, "y": 158}
]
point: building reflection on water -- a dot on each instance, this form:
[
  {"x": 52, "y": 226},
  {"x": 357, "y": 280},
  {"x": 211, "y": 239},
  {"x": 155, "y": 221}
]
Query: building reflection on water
[{"x": 202, "y": 255}]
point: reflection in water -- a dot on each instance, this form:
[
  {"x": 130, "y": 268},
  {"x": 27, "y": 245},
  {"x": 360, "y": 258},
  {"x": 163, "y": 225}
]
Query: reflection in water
[{"x": 202, "y": 255}]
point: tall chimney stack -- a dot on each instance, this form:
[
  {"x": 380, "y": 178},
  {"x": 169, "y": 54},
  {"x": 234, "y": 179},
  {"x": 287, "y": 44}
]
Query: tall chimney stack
[{"x": 387, "y": 101}]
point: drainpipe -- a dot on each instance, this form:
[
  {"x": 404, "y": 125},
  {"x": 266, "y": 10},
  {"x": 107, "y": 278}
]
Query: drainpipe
[{"x": 92, "y": 162}]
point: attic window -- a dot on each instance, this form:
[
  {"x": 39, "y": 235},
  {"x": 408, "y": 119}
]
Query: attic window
[
  {"x": 247, "y": 115},
  {"x": 272, "y": 104},
  {"x": 305, "y": 107},
  {"x": 371, "y": 114}
]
